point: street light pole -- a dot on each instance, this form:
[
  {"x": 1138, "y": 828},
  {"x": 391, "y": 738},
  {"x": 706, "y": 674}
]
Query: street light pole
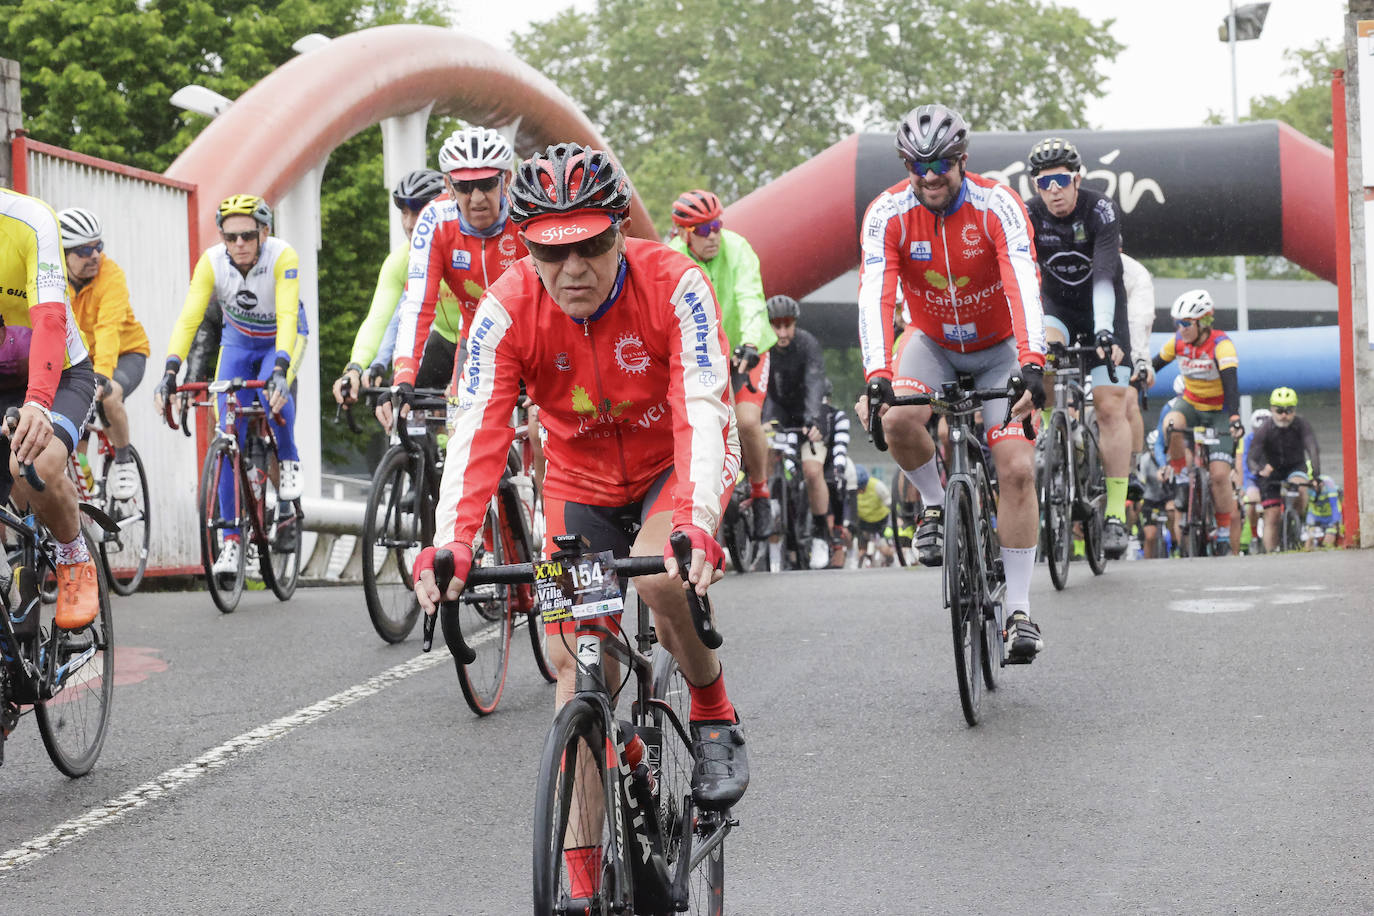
[{"x": 1242, "y": 309}]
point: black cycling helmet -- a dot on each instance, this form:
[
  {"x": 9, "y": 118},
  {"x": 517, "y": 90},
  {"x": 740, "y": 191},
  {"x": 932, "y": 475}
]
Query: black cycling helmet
[
  {"x": 932, "y": 132},
  {"x": 567, "y": 177},
  {"x": 783, "y": 307},
  {"x": 1053, "y": 152},
  {"x": 417, "y": 188}
]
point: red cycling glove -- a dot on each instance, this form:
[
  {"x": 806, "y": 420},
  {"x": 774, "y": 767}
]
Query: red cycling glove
[
  {"x": 715, "y": 556},
  {"x": 462, "y": 560}
]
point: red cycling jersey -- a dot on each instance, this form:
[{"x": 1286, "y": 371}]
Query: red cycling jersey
[
  {"x": 969, "y": 276},
  {"x": 638, "y": 388},
  {"x": 440, "y": 249}
]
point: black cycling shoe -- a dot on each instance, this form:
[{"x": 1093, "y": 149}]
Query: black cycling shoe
[
  {"x": 1115, "y": 540},
  {"x": 1023, "y": 638},
  {"x": 762, "y": 508},
  {"x": 721, "y": 773},
  {"x": 930, "y": 537}
]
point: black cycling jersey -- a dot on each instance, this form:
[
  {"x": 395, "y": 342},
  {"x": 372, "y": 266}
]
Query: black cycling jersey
[
  {"x": 1077, "y": 254},
  {"x": 796, "y": 382},
  {"x": 1286, "y": 448}
]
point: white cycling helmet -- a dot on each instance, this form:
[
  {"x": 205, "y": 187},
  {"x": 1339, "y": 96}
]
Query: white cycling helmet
[
  {"x": 1152, "y": 438},
  {"x": 79, "y": 227},
  {"x": 1259, "y": 416},
  {"x": 1196, "y": 304},
  {"x": 475, "y": 152}
]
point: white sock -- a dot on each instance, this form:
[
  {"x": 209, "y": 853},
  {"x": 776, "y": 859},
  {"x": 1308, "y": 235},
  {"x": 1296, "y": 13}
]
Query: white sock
[
  {"x": 1017, "y": 563},
  {"x": 926, "y": 480}
]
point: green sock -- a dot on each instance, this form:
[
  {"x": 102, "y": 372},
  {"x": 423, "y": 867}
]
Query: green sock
[
  {"x": 1116, "y": 498},
  {"x": 1045, "y": 414}
]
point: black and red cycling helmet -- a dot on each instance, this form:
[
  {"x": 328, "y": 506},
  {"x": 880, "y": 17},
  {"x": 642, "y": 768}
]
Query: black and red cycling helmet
[{"x": 567, "y": 193}]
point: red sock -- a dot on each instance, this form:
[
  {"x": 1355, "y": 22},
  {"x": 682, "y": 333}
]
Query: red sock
[
  {"x": 758, "y": 489},
  {"x": 710, "y": 703},
  {"x": 1178, "y": 465},
  {"x": 584, "y": 870},
  {"x": 1223, "y": 519}
]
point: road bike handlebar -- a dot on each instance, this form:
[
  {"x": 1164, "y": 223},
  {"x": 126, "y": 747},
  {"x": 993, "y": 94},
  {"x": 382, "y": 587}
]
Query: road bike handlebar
[
  {"x": 219, "y": 386},
  {"x": 954, "y": 399},
  {"x": 1084, "y": 350},
  {"x": 30, "y": 472}
]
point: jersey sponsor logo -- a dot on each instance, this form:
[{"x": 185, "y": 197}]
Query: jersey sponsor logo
[
  {"x": 1044, "y": 238},
  {"x": 960, "y": 333},
  {"x": 1008, "y": 212},
  {"x": 474, "y": 367},
  {"x": 591, "y": 414},
  {"x": 1080, "y": 233},
  {"x": 18, "y": 293},
  {"x": 703, "y": 332},
  {"x": 562, "y": 362},
  {"x": 630, "y": 354},
  {"x": 291, "y": 273},
  {"x": 419, "y": 238},
  {"x": 553, "y": 234},
  {"x": 1071, "y": 268},
  {"x": 507, "y": 246},
  {"x": 461, "y": 259},
  {"x": 921, "y": 251},
  {"x": 874, "y": 259},
  {"x": 1106, "y": 211},
  {"x": 969, "y": 235},
  {"x": 707, "y": 378},
  {"x": 246, "y": 299},
  {"x": 652, "y": 415}
]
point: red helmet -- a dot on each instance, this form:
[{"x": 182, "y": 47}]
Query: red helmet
[
  {"x": 568, "y": 192},
  {"x": 696, "y": 207}
]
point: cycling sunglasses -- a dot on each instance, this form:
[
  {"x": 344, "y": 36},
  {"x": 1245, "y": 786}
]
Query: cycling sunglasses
[
  {"x": 593, "y": 247},
  {"x": 1185, "y": 322},
  {"x": 85, "y": 251},
  {"x": 1284, "y": 410},
  {"x": 706, "y": 230},
  {"x": 1059, "y": 180},
  {"x": 465, "y": 186},
  {"x": 923, "y": 167},
  {"x": 239, "y": 236}
]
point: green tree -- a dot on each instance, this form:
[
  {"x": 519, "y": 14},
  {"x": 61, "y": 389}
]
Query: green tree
[{"x": 728, "y": 94}]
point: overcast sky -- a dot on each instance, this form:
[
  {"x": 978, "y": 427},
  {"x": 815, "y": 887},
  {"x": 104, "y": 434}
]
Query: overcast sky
[{"x": 1173, "y": 71}]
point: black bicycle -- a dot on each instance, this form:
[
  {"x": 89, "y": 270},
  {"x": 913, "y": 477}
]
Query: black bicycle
[
  {"x": 658, "y": 851},
  {"x": 65, "y": 677},
  {"x": 974, "y": 581},
  {"x": 1197, "y": 515},
  {"x": 787, "y": 484}
]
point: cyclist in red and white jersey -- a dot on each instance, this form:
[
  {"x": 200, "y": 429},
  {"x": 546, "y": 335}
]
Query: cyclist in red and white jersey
[
  {"x": 958, "y": 247},
  {"x": 620, "y": 343},
  {"x": 464, "y": 238}
]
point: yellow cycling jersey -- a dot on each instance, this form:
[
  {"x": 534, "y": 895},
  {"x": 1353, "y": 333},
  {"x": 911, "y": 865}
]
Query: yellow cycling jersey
[
  {"x": 259, "y": 308},
  {"x": 1200, "y": 364},
  {"x": 33, "y": 267}
]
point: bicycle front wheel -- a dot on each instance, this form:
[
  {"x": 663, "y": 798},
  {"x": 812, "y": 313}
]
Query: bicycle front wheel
[
  {"x": 125, "y": 554},
  {"x": 1056, "y": 510},
  {"x": 73, "y": 721},
  {"x": 484, "y": 616},
  {"x": 221, "y": 466},
  {"x": 280, "y": 560},
  {"x": 1095, "y": 486},
  {"x": 392, "y": 537},
  {"x": 964, "y": 597},
  {"x": 579, "y": 866}
]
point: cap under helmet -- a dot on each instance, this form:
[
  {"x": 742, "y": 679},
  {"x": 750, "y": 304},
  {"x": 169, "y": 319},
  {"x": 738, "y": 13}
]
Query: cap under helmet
[
  {"x": 1053, "y": 152},
  {"x": 1196, "y": 303},
  {"x": 932, "y": 132},
  {"x": 244, "y": 205},
  {"x": 1283, "y": 397},
  {"x": 696, "y": 207},
  {"x": 79, "y": 227},
  {"x": 422, "y": 185},
  {"x": 565, "y": 178},
  {"x": 783, "y": 307},
  {"x": 477, "y": 148}
]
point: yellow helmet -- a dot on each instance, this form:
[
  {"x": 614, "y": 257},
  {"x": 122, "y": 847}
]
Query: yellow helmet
[
  {"x": 244, "y": 205},
  {"x": 1283, "y": 397}
]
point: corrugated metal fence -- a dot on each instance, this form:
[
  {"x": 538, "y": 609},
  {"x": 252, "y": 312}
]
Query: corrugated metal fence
[{"x": 149, "y": 230}]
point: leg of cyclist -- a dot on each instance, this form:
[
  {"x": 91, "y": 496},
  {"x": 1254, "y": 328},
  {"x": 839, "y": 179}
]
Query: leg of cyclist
[
  {"x": 1114, "y": 435},
  {"x": 813, "y": 455},
  {"x": 1271, "y": 502},
  {"x": 289, "y": 483},
  {"x": 128, "y": 372},
  {"x": 754, "y": 443},
  {"x": 1223, "y": 490}
]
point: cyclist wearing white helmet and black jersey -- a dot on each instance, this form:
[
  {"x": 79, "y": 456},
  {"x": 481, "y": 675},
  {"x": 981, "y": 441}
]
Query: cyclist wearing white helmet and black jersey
[{"x": 1078, "y": 247}]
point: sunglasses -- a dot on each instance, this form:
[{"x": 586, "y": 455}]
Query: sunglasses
[
  {"x": 239, "y": 236},
  {"x": 1185, "y": 322},
  {"x": 463, "y": 186},
  {"x": 85, "y": 251},
  {"x": 586, "y": 249},
  {"x": 1285, "y": 411},
  {"x": 1059, "y": 180},
  {"x": 706, "y": 230},
  {"x": 413, "y": 204},
  {"x": 923, "y": 167}
]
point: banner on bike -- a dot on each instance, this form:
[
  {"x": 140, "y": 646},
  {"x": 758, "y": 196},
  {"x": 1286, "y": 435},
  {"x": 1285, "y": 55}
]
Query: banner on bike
[{"x": 578, "y": 588}]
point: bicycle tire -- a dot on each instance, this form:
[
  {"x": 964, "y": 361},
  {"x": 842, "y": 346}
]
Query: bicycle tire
[
  {"x": 706, "y": 885},
  {"x": 577, "y": 743},
  {"x": 964, "y": 597},
  {"x": 391, "y": 538},
  {"x": 894, "y": 518},
  {"x": 1290, "y": 534},
  {"x": 279, "y": 555},
  {"x": 226, "y": 589},
  {"x": 799, "y": 525},
  {"x": 993, "y": 641},
  {"x": 1056, "y": 508},
  {"x": 126, "y": 564},
  {"x": 74, "y": 721},
  {"x": 484, "y": 616},
  {"x": 1095, "y": 490}
]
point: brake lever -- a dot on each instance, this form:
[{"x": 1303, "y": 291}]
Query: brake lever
[{"x": 875, "y": 422}]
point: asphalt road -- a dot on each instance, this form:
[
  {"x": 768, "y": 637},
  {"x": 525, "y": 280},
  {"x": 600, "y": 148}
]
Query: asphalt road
[{"x": 1196, "y": 738}]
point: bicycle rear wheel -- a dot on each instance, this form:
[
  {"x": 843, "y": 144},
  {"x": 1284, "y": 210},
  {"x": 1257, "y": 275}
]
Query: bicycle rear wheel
[
  {"x": 392, "y": 536},
  {"x": 73, "y": 722},
  {"x": 706, "y": 884},
  {"x": 280, "y": 562},
  {"x": 485, "y": 620},
  {"x": 1290, "y": 535},
  {"x": 579, "y": 866},
  {"x": 225, "y": 588},
  {"x": 964, "y": 597},
  {"x": 125, "y": 555},
  {"x": 1055, "y": 507},
  {"x": 1095, "y": 486}
]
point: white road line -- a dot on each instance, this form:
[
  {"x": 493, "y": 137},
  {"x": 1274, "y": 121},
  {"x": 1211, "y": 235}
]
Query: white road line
[{"x": 177, "y": 777}]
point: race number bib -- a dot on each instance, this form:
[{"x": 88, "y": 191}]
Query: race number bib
[{"x": 578, "y": 588}]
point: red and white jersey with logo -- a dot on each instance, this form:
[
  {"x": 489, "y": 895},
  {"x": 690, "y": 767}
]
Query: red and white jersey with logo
[
  {"x": 638, "y": 388},
  {"x": 968, "y": 277},
  {"x": 441, "y": 250}
]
